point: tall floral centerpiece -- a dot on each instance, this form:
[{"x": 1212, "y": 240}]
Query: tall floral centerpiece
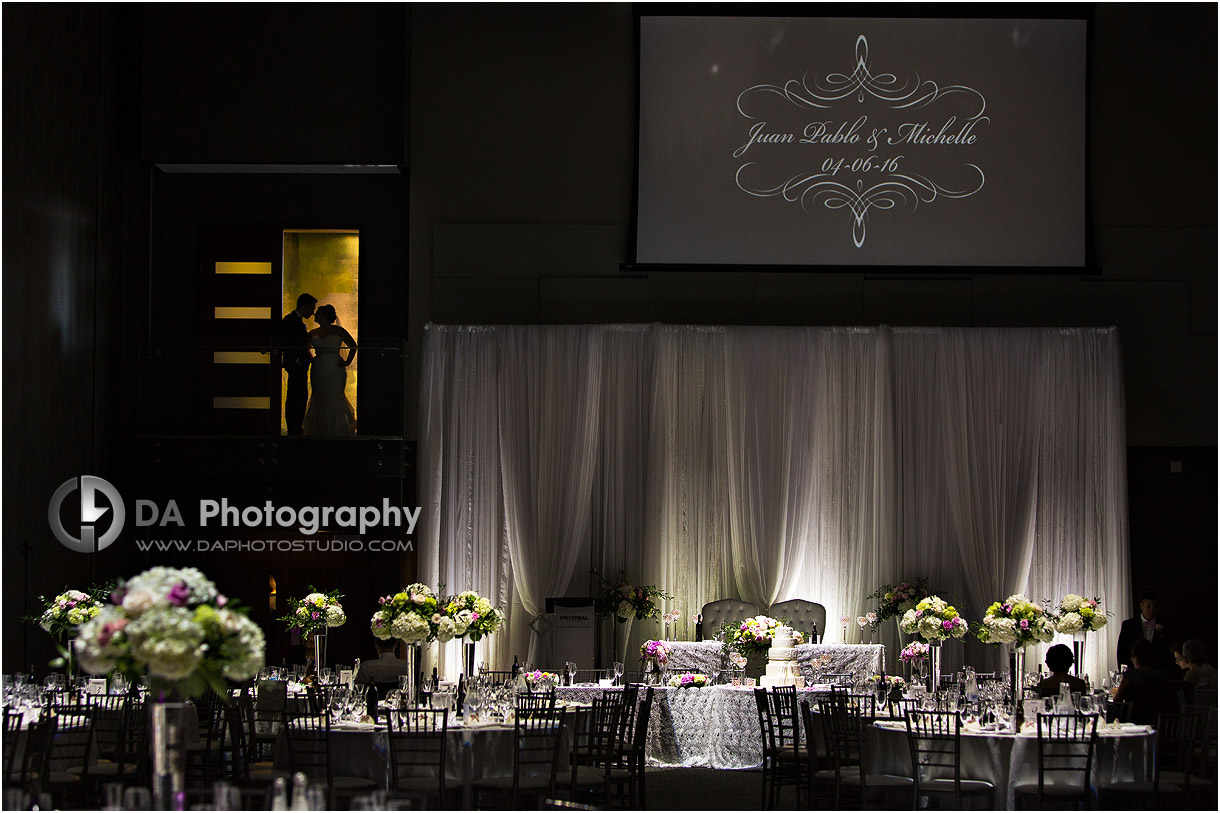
[
  {"x": 1019, "y": 622},
  {"x": 172, "y": 625},
  {"x": 894, "y": 600},
  {"x": 935, "y": 620},
  {"x": 1076, "y": 616},
  {"x": 472, "y": 617},
  {"x": 313, "y": 616},
  {"x": 63, "y": 615},
  {"x": 412, "y": 616},
  {"x": 752, "y": 638},
  {"x": 625, "y": 602}
]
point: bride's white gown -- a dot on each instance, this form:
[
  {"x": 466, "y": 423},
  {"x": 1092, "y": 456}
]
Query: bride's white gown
[{"x": 329, "y": 412}]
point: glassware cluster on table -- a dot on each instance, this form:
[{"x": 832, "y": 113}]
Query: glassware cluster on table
[{"x": 22, "y": 693}]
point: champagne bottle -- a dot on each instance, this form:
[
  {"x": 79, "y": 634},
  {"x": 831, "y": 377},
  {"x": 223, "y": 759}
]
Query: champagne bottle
[
  {"x": 516, "y": 666},
  {"x": 279, "y": 795}
]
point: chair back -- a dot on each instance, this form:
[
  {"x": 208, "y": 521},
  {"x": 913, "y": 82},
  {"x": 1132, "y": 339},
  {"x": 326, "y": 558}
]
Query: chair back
[
  {"x": 639, "y": 732},
  {"x": 496, "y": 677},
  {"x": 806, "y": 617},
  {"x": 934, "y": 738},
  {"x": 73, "y": 743},
  {"x": 1065, "y": 749},
  {"x": 1177, "y": 744},
  {"x": 538, "y": 737},
  {"x": 240, "y": 742},
  {"x": 845, "y": 720},
  {"x": 417, "y": 746},
  {"x": 535, "y": 703},
  {"x": 599, "y": 743},
  {"x": 34, "y": 766},
  {"x": 12, "y": 731},
  {"x": 725, "y": 611},
  {"x": 308, "y": 740}
]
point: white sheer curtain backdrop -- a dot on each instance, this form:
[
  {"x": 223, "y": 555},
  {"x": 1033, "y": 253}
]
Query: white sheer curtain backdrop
[
  {"x": 550, "y": 391},
  {"x": 775, "y": 463}
]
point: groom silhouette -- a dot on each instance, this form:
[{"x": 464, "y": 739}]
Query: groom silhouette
[{"x": 294, "y": 339}]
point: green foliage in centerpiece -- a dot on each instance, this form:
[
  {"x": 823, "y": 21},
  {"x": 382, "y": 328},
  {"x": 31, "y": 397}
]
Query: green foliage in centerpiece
[
  {"x": 933, "y": 619},
  {"x": 755, "y": 634},
  {"x": 469, "y": 615},
  {"x": 895, "y": 599},
  {"x": 1016, "y": 620},
  {"x": 624, "y": 601}
]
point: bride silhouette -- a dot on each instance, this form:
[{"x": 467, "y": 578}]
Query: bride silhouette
[{"x": 329, "y": 412}]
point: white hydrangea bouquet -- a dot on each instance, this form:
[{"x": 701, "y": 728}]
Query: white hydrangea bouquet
[
  {"x": 1016, "y": 620},
  {"x": 469, "y": 615},
  {"x": 64, "y": 614},
  {"x": 1079, "y": 614},
  {"x": 934, "y": 619},
  {"x": 172, "y": 625},
  {"x": 316, "y": 612},
  {"x": 411, "y": 615}
]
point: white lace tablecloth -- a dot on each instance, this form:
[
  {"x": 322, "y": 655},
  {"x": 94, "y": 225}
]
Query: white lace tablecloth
[
  {"x": 861, "y": 660},
  {"x": 712, "y": 727},
  {"x": 1008, "y": 760}
]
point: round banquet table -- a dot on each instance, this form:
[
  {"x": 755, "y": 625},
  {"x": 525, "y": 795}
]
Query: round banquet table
[
  {"x": 1123, "y": 753},
  {"x": 473, "y": 752}
]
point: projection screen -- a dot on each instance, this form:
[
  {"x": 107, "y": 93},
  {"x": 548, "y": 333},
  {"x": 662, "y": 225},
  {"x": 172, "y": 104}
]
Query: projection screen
[{"x": 797, "y": 141}]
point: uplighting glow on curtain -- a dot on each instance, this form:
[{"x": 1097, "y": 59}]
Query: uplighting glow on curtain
[{"x": 774, "y": 463}]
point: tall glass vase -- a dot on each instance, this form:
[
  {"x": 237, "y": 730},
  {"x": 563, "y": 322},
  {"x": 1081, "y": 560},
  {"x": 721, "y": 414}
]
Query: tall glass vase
[
  {"x": 412, "y": 687},
  {"x": 1078, "y": 640},
  {"x": 1016, "y": 667},
  {"x": 468, "y": 661},
  {"x": 169, "y": 747},
  {"x": 934, "y": 657},
  {"x": 319, "y": 652}
]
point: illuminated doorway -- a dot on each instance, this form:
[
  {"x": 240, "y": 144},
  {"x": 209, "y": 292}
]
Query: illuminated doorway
[{"x": 325, "y": 263}]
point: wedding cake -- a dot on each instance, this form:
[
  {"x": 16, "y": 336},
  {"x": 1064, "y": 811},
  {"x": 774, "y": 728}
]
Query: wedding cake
[{"x": 781, "y": 661}]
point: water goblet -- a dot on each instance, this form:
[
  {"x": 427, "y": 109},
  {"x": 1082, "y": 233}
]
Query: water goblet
[
  {"x": 326, "y": 674},
  {"x": 618, "y": 671}
]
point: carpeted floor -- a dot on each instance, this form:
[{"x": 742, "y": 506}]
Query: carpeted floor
[{"x": 709, "y": 789}]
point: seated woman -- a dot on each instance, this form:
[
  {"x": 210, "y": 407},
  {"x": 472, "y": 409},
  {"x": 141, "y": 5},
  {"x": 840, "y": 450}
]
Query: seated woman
[
  {"x": 1199, "y": 672},
  {"x": 1059, "y": 660},
  {"x": 1143, "y": 686}
]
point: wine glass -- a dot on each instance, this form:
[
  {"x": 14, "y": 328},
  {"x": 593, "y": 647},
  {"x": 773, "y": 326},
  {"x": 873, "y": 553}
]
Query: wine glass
[
  {"x": 571, "y": 666},
  {"x": 618, "y": 671},
  {"x": 326, "y": 674}
]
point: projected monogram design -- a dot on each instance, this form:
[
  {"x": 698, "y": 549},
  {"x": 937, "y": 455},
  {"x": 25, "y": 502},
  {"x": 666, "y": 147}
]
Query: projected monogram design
[{"x": 900, "y": 185}]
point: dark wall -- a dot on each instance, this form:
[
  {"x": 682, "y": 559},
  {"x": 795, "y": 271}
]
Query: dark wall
[
  {"x": 74, "y": 226},
  {"x": 311, "y": 83}
]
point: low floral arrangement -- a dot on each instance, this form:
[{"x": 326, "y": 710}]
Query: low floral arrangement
[
  {"x": 468, "y": 615},
  {"x": 933, "y": 619},
  {"x": 896, "y": 599},
  {"x": 316, "y": 612},
  {"x": 539, "y": 678},
  {"x": 174, "y": 626},
  {"x": 64, "y": 614},
  {"x": 624, "y": 601},
  {"x": 1079, "y": 614},
  {"x": 409, "y": 615},
  {"x": 891, "y": 681},
  {"x": 1016, "y": 620},
  {"x": 913, "y": 652},
  {"x": 755, "y": 634},
  {"x": 688, "y": 680},
  {"x": 655, "y": 650}
]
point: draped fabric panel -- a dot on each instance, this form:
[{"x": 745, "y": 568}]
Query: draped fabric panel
[{"x": 774, "y": 463}]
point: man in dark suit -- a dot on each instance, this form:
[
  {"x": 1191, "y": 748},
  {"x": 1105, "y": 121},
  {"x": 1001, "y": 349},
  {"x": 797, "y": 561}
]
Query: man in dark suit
[
  {"x": 381, "y": 675},
  {"x": 294, "y": 339},
  {"x": 1146, "y": 627}
]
